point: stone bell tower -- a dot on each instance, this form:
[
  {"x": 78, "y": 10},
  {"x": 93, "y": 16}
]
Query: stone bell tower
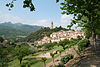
[{"x": 51, "y": 25}]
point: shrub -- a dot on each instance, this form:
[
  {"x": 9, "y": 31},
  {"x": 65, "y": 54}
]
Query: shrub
[
  {"x": 66, "y": 58},
  {"x": 23, "y": 65},
  {"x": 51, "y": 66},
  {"x": 82, "y": 44}
]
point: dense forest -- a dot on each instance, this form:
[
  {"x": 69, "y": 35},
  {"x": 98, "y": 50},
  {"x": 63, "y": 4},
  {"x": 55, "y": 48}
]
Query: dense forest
[
  {"x": 38, "y": 35},
  {"x": 9, "y": 30}
]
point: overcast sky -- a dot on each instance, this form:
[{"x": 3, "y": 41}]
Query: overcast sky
[{"x": 46, "y": 12}]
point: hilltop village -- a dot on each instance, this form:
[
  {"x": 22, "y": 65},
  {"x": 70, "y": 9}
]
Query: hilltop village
[{"x": 60, "y": 35}]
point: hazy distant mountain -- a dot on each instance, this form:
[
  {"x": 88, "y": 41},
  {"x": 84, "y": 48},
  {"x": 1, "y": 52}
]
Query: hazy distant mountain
[{"x": 10, "y": 30}]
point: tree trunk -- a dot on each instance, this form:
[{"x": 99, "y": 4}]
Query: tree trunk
[
  {"x": 53, "y": 61},
  {"x": 60, "y": 54},
  {"x": 76, "y": 52},
  {"x": 94, "y": 39},
  {"x": 20, "y": 60},
  {"x": 97, "y": 36},
  {"x": 64, "y": 49},
  {"x": 2, "y": 64},
  {"x": 44, "y": 64},
  {"x": 93, "y": 32}
]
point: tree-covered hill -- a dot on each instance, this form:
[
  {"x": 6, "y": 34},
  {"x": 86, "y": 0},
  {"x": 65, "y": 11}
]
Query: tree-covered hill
[
  {"x": 38, "y": 35},
  {"x": 23, "y": 27},
  {"x": 10, "y": 31}
]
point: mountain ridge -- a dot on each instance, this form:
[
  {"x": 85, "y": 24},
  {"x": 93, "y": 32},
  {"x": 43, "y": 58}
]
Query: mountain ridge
[{"x": 11, "y": 30}]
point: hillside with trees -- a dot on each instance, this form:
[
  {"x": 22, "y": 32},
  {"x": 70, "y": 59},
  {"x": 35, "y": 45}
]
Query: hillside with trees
[
  {"x": 9, "y": 30},
  {"x": 38, "y": 35}
]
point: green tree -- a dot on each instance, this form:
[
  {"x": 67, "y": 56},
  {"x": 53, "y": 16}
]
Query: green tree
[
  {"x": 89, "y": 29},
  {"x": 60, "y": 52},
  {"x": 54, "y": 43},
  {"x": 82, "y": 44},
  {"x": 80, "y": 8},
  {"x": 26, "y": 4},
  {"x": 44, "y": 59},
  {"x": 21, "y": 51},
  {"x": 11, "y": 43},
  {"x": 4, "y": 56},
  {"x": 79, "y": 37},
  {"x": 64, "y": 43},
  {"x": 66, "y": 58},
  {"x": 74, "y": 42},
  {"x": 1, "y": 39},
  {"x": 49, "y": 45},
  {"x": 53, "y": 55}
]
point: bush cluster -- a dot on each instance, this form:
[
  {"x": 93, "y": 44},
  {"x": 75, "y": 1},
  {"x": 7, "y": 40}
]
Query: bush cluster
[
  {"x": 66, "y": 58},
  {"x": 82, "y": 44},
  {"x": 25, "y": 65}
]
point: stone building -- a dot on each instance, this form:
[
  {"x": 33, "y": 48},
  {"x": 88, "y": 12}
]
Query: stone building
[
  {"x": 60, "y": 35},
  {"x": 51, "y": 25}
]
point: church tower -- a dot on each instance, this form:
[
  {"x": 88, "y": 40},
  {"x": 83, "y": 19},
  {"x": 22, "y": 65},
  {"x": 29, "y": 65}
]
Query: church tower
[{"x": 51, "y": 25}]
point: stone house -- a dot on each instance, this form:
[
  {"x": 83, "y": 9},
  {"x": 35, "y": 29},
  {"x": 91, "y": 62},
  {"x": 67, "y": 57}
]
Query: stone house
[{"x": 61, "y": 35}]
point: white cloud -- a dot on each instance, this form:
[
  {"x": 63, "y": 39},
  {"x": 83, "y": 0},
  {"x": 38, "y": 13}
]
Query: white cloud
[
  {"x": 64, "y": 20},
  {"x": 43, "y": 22},
  {"x": 5, "y": 17}
]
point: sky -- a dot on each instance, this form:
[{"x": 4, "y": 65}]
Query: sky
[{"x": 46, "y": 11}]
